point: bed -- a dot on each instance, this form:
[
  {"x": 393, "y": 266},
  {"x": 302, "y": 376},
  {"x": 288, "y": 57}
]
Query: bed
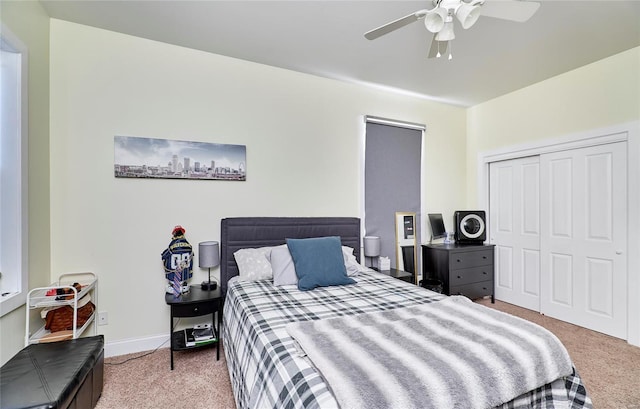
[{"x": 274, "y": 335}]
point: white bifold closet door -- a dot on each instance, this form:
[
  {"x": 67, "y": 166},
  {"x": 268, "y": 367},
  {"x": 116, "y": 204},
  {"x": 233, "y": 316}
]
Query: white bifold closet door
[
  {"x": 584, "y": 237},
  {"x": 559, "y": 223},
  {"x": 514, "y": 217}
]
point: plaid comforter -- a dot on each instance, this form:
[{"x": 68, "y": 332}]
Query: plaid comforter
[{"x": 266, "y": 369}]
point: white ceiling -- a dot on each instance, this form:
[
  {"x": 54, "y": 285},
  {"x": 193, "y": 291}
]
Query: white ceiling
[{"x": 325, "y": 38}]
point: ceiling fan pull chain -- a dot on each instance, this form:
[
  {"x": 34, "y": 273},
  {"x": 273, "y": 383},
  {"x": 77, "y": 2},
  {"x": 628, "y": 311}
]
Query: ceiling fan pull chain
[
  {"x": 438, "y": 55},
  {"x": 450, "y": 49}
]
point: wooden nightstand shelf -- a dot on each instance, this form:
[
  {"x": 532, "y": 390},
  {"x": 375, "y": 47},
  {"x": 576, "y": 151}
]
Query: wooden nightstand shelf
[
  {"x": 195, "y": 303},
  {"x": 463, "y": 269}
]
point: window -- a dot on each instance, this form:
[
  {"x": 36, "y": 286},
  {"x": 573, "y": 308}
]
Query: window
[
  {"x": 393, "y": 163},
  {"x": 13, "y": 173}
]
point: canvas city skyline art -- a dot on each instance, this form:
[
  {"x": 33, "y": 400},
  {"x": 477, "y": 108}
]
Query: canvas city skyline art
[{"x": 138, "y": 157}]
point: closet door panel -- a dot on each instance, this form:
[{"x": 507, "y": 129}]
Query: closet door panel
[
  {"x": 584, "y": 237},
  {"x": 514, "y": 227}
]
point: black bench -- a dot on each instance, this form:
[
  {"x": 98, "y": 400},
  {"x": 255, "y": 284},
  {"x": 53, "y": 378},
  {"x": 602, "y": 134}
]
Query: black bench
[{"x": 57, "y": 375}]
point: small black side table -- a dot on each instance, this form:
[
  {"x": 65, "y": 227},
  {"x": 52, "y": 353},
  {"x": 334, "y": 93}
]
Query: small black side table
[
  {"x": 399, "y": 274},
  {"x": 195, "y": 303}
]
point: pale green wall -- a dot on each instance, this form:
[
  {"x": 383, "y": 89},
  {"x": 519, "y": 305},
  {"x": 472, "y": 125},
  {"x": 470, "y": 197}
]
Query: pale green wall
[
  {"x": 304, "y": 142},
  {"x": 28, "y": 21},
  {"x": 600, "y": 94}
]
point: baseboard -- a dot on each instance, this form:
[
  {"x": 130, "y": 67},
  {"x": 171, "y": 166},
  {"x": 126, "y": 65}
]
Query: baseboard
[{"x": 130, "y": 346}]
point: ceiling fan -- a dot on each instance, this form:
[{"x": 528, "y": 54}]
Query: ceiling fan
[{"x": 439, "y": 19}]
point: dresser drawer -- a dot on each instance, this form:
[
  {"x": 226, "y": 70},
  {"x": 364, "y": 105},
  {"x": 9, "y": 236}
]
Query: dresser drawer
[
  {"x": 473, "y": 290},
  {"x": 470, "y": 275},
  {"x": 467, "y": 259},
  {"x": 194, "y": 310}
]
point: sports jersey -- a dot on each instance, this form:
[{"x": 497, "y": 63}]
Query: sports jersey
[{"x": 178, "y": 258}]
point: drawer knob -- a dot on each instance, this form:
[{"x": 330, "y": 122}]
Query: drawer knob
[
  {"x": 458, "y": 260},
  {"x": 195, "y": 309},
  {"x": 484, "y": 272},
  {"x": 484, "y": 257},
  {"x": 459, "y": 277}
]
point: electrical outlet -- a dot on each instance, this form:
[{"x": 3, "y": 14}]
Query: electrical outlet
[{"x": 103, "y": 318}]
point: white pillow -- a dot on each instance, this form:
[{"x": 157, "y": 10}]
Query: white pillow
[
  {"x": 253, "y": 264},
  {"x": 353, "y": 267},
  {"x": 284, "y": 271}
]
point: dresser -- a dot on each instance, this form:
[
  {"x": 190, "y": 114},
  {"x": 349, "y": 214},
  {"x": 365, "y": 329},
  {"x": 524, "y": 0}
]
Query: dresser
[{"x": 464, "y": 269}]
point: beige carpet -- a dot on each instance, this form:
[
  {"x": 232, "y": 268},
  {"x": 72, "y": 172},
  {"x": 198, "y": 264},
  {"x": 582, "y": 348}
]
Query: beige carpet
[
  {"x": 197, "y": 381},
  {"x": 609, "y": 367}
]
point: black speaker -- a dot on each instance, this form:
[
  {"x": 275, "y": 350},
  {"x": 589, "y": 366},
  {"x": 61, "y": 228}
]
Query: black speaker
[{"x": 470, "y": 226}]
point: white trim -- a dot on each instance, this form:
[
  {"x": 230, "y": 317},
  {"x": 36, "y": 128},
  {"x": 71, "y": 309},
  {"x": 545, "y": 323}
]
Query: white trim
[
  {"x": 18, "y": 299},
  {"x": 394, "y": 122},
  {"x": 423, "y": 206},
  {"x": 627, "y": 132},
  {"x": 575, "y": 141},
  {"x": 633, "y": 235},
  {"x": 363, "y": 146},
  {"x": 133, "y": 345},
  {"x": 423, "y": 144}
]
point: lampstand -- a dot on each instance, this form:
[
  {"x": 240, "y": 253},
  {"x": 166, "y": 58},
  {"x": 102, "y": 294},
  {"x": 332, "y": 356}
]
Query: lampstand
[
  {"x": 371, "y": 246},
  {"x": 209, "y": 256}
]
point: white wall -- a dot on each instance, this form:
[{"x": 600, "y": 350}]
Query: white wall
[
  {"x": 592, "y": 100},
  {"x": 304, "y": 144}
]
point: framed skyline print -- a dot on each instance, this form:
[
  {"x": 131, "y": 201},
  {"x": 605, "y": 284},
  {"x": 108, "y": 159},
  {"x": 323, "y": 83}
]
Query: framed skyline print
[{"x": 136, "y": 157}]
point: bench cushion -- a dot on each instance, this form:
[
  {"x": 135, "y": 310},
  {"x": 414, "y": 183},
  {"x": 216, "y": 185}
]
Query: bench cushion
[{"x": 54, "y": 375}]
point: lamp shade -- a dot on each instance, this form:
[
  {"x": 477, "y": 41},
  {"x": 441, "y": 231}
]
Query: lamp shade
[
  {"x": 468, "y": 14},
  {"x": 434, "y": 20},
  {"x": 371, "y": 246},
  {"x": 209, "y": 254},
  {"x": 446, "y": 34}
]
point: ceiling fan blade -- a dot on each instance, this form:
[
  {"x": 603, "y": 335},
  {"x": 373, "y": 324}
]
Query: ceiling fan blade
[
  {"x": 437, "y": 47},
  {"x": 394, "y": 25},
  {"x": 514, "y": 10}
]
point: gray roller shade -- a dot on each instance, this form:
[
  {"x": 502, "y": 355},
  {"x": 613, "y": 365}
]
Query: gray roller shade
[{"x": 392, "y": 181}]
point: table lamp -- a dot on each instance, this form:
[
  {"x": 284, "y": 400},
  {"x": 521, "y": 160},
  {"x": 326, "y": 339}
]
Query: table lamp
[
  {"x": 209, "y": 256},
  {"x": 371, "y": 247}
]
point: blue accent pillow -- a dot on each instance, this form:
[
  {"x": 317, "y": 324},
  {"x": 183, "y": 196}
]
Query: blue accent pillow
[{"x": 319, "y": 262}]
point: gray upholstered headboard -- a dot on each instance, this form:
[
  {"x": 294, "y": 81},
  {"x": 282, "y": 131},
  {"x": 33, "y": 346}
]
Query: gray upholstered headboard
[{"x": 247, "y": 232}]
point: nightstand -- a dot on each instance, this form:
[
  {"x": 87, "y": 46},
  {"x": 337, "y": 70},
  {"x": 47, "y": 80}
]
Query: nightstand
[
  {"x": 464, "y": 269},
  {"x": 399, "y": 274},
  {"x": 195, "y": 303}
]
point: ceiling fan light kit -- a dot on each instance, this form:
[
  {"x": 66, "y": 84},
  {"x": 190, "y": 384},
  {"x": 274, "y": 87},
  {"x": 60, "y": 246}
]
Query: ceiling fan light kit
[
  {"x": 468, "y": 13},
  {"x": 439, "y": 19},
  {"x": 446, "y": 34},
  {"x": 434, "y": 19}
]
